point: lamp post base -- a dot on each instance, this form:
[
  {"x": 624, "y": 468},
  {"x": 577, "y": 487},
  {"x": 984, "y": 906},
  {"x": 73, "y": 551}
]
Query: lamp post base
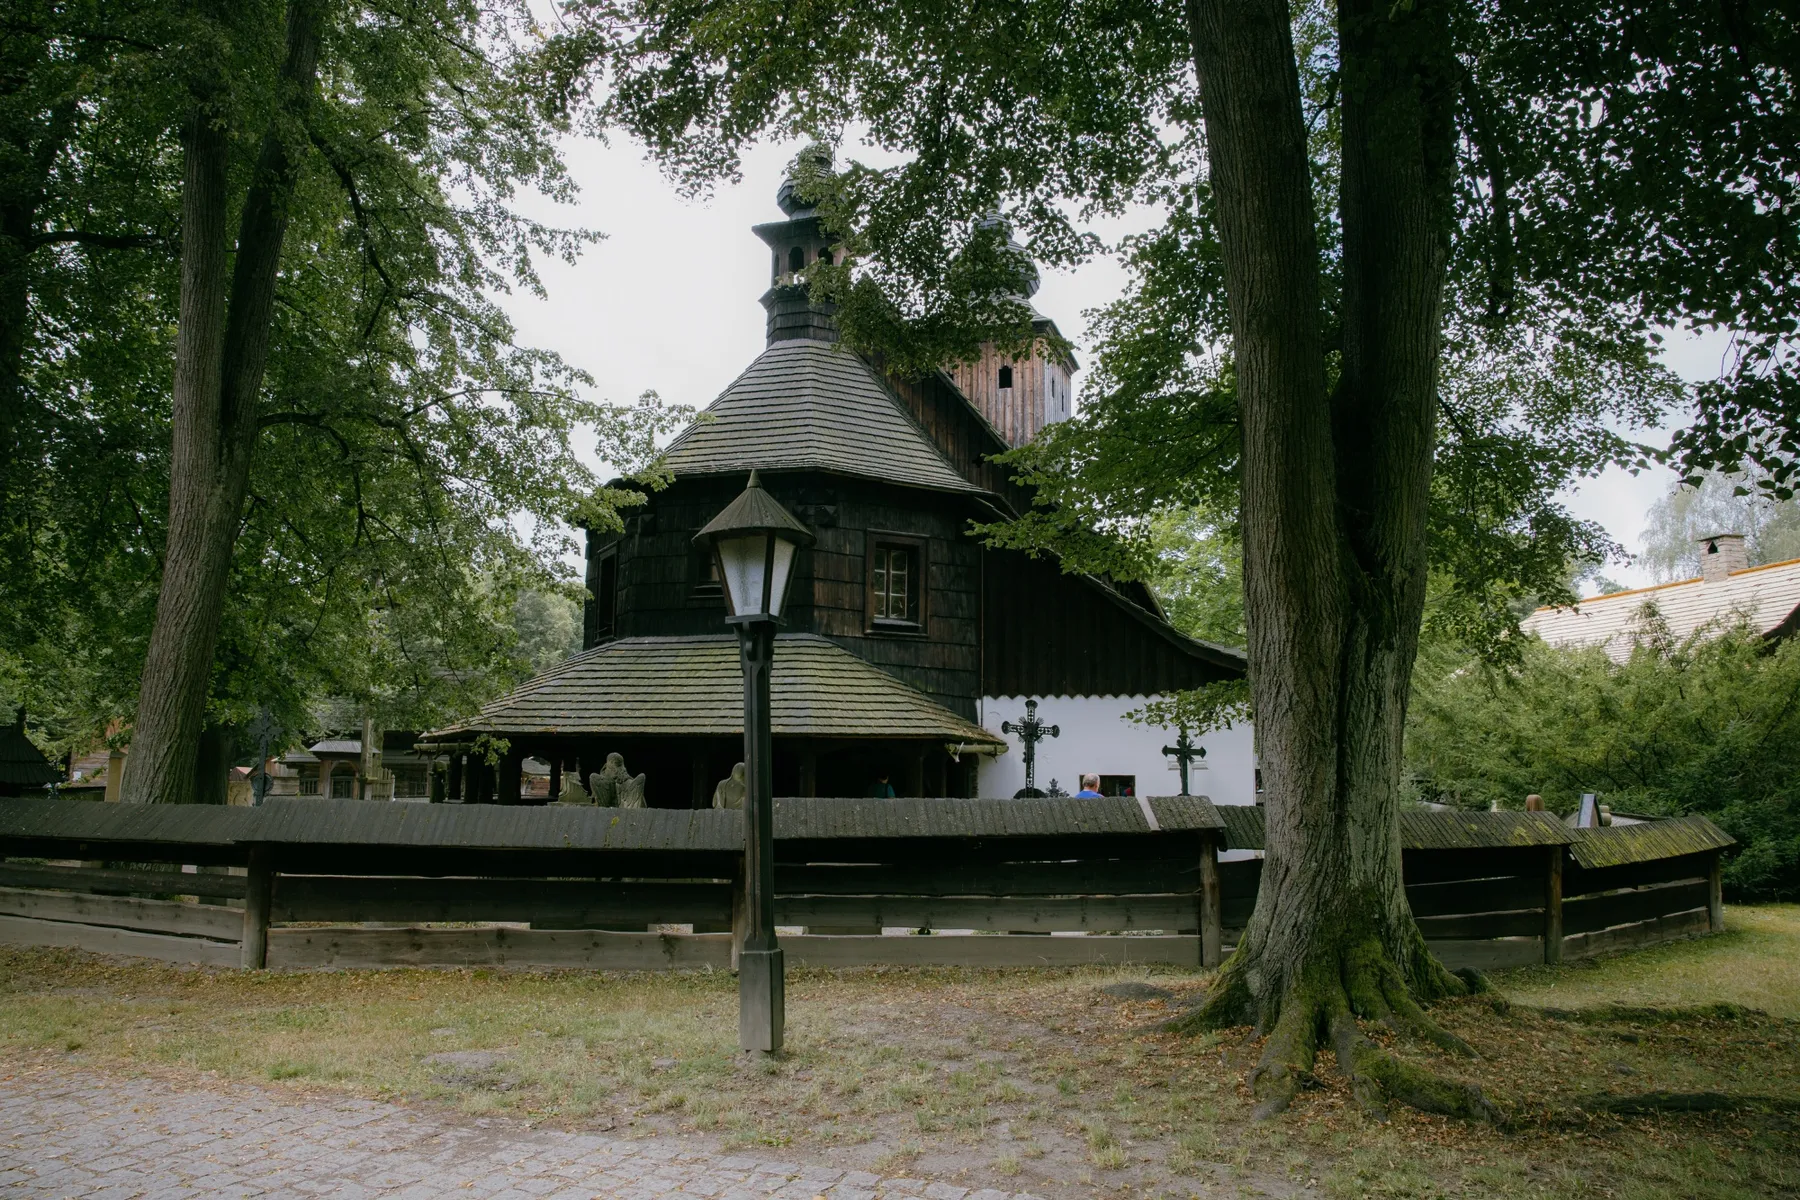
[{"x": 761, "y": 1000}]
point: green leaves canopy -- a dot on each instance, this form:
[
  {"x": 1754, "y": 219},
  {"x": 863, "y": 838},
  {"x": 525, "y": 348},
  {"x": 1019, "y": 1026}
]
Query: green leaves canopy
[{"x": 415, "y": 469}]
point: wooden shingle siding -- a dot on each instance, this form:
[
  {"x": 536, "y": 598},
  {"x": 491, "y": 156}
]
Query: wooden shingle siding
[
  {"x": 1048, "y": 633},
  {"x": 813, "y": 406}
]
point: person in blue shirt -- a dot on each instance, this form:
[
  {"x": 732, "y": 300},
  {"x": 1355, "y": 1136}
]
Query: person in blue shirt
[
  {"x": 1090, "y": 788},
  {"x": 881, "y": 789}
]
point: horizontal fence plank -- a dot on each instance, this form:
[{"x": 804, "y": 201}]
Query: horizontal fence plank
[
  {"x": 547, "y": 903},
  {"x": 1483, "y": 925},
  {"x": 1591, "y": 913},
  {"x": 987, "y": 951},
  {"x": 1489, "y": 955},
  {"x": 1582, "y": 881},
  {"x": 449, "y": 861},
  {"x": 1630, "y": 937},
  {"x": 1239, "y": 880},
  {"x": 303, "y": 949},
  {"x": 124, "y": 912},
  {"x": 986, "y": 851},
  {"x": 105, "y": 939},
  {"x": 96, "y": 879},
  {"x": 1021, "y": 913},
  {"x": 1447, "y": 866},
  {"x": 1505, "y": 894},
  {"x": 1064, "y": 878}
]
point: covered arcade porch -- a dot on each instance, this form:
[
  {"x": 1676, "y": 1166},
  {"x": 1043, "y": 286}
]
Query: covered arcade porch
[{"x": 672, "y": 707}]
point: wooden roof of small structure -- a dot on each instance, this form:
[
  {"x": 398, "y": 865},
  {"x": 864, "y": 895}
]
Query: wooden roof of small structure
[
  {"x": 694, "y": 686},
  {"x": 21, "y": 763},
  {"x": 807, "y": 405}
]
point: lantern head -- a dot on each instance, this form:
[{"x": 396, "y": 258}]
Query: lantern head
[{"x": 754, "y": 542}]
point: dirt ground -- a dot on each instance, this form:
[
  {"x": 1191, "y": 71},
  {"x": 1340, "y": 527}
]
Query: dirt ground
[{"x": 1054, "y": 1082}]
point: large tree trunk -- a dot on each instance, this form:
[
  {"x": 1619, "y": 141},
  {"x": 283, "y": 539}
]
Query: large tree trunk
[
  {"x": 1334, "y": 501},
  {"x": 221, "y": 349}
]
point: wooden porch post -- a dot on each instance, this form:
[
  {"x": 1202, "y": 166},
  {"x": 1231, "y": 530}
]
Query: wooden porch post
[
  {"x": 512, "y": 771},
  {"x": 455, "y": 793},
  {"x": 1212, "y": 933},
  {"x": 555, "y": 776},
  {"x": 1715, "y": 896},
  {"x": 740, "y": 911},
  {"x": 258, "y": 888},
  {"x": 809, "y": 772},
  {"x": 1553, "y": 907}
]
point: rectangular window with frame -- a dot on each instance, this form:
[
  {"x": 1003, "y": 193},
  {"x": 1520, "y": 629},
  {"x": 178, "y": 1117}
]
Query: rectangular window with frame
[{"x": 896, "y": 584}]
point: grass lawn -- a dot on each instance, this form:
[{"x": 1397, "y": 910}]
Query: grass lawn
[{"x": 1049, "y": 1081}]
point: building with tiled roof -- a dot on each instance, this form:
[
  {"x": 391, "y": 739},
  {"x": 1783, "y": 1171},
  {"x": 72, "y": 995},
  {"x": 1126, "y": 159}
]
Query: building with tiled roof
[
  {"x": 1728, "y": 591},
  {"x": 907, "y": 641}
]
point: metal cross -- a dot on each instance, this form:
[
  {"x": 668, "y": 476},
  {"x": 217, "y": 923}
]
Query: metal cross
[
  {"x": 1184, "y": 752},
  {"x": 1031, "y": 731}
]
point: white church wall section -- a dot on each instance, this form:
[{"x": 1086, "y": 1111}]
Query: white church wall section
[{"x": 1096, "y": 738}]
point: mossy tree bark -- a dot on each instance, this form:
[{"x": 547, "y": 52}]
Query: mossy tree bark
[
  {"x": 1336, "y": 477},
  {"x": 221, "y": 350}
]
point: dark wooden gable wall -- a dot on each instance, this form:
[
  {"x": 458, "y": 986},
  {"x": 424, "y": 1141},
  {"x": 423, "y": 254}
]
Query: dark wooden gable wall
[
  {"x": 661, "y": 589},
  {"x": 1046, "y": 633},
  {"x": 961, "y": 433}
]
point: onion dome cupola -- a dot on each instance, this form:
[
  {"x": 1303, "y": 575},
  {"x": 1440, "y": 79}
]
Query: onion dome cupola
[{"x": 795, "y": 244}]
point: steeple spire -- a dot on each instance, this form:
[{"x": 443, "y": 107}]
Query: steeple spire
[{"x": 794, "y": 245}]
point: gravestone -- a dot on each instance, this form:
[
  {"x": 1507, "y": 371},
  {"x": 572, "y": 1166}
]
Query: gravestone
[{"x": 573, "y": 792}]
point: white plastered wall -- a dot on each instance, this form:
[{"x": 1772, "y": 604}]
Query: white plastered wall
[{"x": 1096, "y": 738}]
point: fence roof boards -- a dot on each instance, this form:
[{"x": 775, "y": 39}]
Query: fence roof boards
[
  {"x": 827, "y": 818},
  {"x": 1617, "y": 845},
  {"x": 495, "y": 826},
  {"x": 1425, "y": 829},
  {"x": 89, "y": 820}
]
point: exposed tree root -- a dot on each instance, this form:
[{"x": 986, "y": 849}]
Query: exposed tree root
[{"x": 1326, "y": 1000}]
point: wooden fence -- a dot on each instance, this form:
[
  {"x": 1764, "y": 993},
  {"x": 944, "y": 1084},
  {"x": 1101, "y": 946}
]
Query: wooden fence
[{"x": 333, "y": 883}]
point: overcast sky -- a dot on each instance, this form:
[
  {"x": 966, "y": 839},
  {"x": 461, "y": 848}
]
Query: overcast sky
[{"x": 669, "y": 301}]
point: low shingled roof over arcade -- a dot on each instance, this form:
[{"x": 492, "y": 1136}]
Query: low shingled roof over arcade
[
  {"x": 694, "y": 686},
  {"x": 813, "y": 406}
]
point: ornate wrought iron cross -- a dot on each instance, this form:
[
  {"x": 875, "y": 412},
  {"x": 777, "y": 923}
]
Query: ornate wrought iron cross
[
  {"x": 1031, "y": 731},
  {"x": 1184, "y": 752}
]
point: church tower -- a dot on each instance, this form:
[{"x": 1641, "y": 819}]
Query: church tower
[
  {"x": 1019, "y": 396},
  {"x": 794, "y": 245}
]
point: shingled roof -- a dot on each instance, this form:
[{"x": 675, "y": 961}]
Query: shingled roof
[
  {"x": 1768, "y": 598},
  {"x": 813, "y": 406},
  {"x": 694, "y": 686}
]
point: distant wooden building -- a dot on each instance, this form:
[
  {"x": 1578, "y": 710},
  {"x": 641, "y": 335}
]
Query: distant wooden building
[
  {"x": 907, "y": 641},
  {"x": 23, "y": 768}
]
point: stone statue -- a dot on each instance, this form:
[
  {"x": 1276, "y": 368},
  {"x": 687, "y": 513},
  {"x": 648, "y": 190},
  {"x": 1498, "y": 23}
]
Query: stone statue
[
  {"x": 573, "y": 792},
  {"x": 731, "y": 791},
  {"x": 615, "y": 787}
]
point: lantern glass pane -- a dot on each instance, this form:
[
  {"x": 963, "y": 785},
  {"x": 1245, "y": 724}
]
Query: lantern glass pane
[
  {"x": 745, "y": 560},
  {"x": 778, "y": 584}
]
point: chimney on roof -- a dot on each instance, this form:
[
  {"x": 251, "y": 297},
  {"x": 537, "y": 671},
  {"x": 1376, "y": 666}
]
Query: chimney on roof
[{"x": 1721, "y": 554}]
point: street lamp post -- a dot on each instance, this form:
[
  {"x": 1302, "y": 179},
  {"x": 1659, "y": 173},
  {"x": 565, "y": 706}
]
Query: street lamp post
[{"x": 755, "y": 542}]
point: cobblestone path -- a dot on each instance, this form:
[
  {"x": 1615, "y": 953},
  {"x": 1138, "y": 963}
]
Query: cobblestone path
[{"x": 90, "y": 1135}]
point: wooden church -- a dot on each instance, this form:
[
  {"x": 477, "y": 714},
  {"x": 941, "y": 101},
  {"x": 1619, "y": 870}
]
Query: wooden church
[{"x": 899, "y": 625}]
